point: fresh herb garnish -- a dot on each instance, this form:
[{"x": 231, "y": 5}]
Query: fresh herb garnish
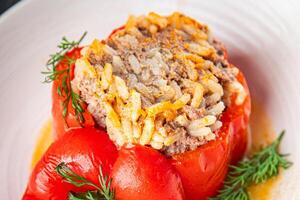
[
  {"x": 65, "y": 89},
  {"x": 90, "y": 195},
  {"x": 103, "y": 192},
  {"x": 257, "y": 169}
]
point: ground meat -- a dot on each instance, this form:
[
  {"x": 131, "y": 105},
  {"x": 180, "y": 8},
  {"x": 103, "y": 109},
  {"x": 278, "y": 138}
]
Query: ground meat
[
  {"x": 184, "y": 143},
  {"x": 162, "y": 63},
  {"x": 193, "y": 113}
]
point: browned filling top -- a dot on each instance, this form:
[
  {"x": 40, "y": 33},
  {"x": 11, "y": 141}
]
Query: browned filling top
[{"x": 161, "y": 81}]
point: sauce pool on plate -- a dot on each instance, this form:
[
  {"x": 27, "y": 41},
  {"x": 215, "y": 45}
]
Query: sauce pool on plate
[
  {"x": 43, "y": 142},
  {"x": 262, "y": 134}
]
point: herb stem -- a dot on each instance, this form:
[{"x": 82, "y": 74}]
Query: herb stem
[
  {"x": 65, "y": 89},
  {"x": 104, "y": 191}
]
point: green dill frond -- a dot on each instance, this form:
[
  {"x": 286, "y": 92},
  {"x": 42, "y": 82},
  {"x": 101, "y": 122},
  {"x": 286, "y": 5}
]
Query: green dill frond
[
  {"x": 65, "y": 89},
  {"x": 262, "y": 166},
  {"x": 105, "y": 190}
]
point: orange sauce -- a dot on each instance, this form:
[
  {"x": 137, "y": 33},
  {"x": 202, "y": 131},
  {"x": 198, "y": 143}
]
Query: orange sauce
[
  {"x": 262, "y": 134},
  {"x": 43, "y": 142},
  {"x": 263, "y": 191}
]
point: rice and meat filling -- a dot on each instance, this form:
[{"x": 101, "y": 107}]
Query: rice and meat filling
[{"x": 160, "y": 81}]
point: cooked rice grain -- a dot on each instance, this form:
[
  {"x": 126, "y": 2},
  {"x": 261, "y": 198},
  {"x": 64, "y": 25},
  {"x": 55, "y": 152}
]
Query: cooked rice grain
[{"x": 161, "y": 81}]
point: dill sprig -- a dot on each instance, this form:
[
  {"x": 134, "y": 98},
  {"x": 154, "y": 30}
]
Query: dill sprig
[
  {"x": 103, "y": 192},
  {"x": 262, "y": 166},
  {"x": 53, "y": 73}
]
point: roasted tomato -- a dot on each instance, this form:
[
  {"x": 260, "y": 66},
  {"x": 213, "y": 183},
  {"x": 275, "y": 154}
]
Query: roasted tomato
[
  {"x": 203, "y": 170},
  {"x": 143, "y": 173},
  {"x": 62, "y": 124},
  {"x": 83, "y": 151}
]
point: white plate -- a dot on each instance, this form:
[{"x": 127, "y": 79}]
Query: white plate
[{"x": 262, "y": 38}]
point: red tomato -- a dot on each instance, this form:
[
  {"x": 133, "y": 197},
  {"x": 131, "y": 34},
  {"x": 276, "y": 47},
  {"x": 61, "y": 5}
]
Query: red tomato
[
  {"x": 83, "y": 150},
  {"x": 203, "y": 170},
  {"x": 61, "y": 124},
  {"x": 143, "y": 173},
  {"x": 239, "y": 115}
]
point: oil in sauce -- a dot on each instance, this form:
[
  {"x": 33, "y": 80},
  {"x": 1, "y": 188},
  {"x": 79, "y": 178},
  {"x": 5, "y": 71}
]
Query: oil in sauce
[
  {"x": 262, "y": 134},
  {"x": 43, "y": 142}
]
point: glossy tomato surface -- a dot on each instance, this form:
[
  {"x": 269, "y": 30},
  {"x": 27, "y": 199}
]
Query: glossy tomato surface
[
  {"x": 62, "y": 124},
  {"x": 143, "y": 173},
  {"x": 83, "y": 151},
  {"x": 203, "y": 170}
]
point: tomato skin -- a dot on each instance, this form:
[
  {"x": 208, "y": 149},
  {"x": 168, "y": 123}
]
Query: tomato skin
[
  {"x": 83, "y": 150},
  {"x": 203, "y": 170},
  {"x": 116, "y": 30},
  {"x": 61, "y": 124},
  {"x": 143, "y": 173},
  {"x": 239, "y": 118}
]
